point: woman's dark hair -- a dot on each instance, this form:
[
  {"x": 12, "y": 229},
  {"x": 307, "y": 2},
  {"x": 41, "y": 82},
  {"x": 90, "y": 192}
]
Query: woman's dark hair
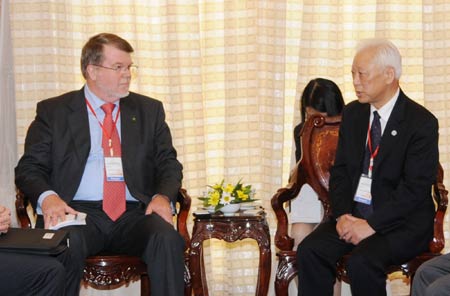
[{"x": 324, "y": 96}]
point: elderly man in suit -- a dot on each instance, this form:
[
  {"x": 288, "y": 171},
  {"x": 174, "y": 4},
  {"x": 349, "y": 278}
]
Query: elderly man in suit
[
  {"x": 107, "y": 152},
  {"x": 386, "y": 162}
]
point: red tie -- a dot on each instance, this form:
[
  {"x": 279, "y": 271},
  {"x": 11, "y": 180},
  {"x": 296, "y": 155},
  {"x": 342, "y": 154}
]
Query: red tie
[{"x": 113, "y": 191}]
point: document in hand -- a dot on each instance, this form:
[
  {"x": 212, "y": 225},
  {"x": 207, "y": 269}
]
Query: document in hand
[
  {"x": 78, "y": 219},
  {"x": 34, "y": 241}
]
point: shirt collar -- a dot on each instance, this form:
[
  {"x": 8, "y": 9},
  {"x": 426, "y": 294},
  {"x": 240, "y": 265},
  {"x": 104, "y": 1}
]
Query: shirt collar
[
  {"x": 386, "y": 110},
  {"x": 95, "y": 101}
]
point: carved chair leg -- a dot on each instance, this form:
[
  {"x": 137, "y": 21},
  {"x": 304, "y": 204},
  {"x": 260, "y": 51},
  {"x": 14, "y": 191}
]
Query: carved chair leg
[
  {"x": 411, "y": 278},
  {"x": 281, "y": 287},
  {"x": 187, "y": 277},
  {"x": 286, "y": 272},
  {"x": 187, "y": 290},
  {"x": 145, "y": 285}
]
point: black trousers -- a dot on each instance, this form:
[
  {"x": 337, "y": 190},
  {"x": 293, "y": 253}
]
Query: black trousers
[
  {"x": 31, "y": 275},
  {"x": 134, "y": 233},
  {"x": 318, "y": 253}
]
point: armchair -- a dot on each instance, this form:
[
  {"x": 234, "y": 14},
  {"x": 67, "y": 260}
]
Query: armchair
[{"x": 109, "y": 271}]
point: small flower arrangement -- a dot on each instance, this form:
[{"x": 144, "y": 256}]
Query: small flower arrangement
[{"x": 221, "y": 194}]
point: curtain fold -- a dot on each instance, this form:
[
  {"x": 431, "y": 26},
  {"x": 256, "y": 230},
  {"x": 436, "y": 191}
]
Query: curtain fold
[
  {"x": 230, "y": 75},
  {"x": 8, "y": 145}
]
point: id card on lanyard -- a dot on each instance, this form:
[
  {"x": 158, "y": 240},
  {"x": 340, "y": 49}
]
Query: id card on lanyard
[
  {"x": 363, "y": 191},
  {"x": 113, "y": 169}
]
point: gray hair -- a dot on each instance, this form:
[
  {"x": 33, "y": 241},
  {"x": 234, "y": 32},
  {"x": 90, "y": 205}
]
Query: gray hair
[
  {"x": 92, "y": 52},
  {"x": 386, "y": 54}
]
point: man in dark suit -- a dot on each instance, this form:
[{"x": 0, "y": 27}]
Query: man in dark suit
[
  {"x": 26, "y": 274},
  {"x": 107, "y": 152},
  {"x": 380, "y": 184}
]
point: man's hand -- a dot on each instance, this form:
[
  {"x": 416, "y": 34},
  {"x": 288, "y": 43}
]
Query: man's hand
[
  {"x": 360, "y": 230},
  {"x": 5, "y": 219},
  {"x": 160, "y": 204},
  {"x": 343, "y": 225},
  {"x": 54, "y": 210},
  {"x": 353, "y": 230}
]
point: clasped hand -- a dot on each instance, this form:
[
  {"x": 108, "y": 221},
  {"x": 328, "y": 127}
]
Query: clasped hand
[
  {"x": 352, "y": 229},
  {"x": 5, "y": 219}
]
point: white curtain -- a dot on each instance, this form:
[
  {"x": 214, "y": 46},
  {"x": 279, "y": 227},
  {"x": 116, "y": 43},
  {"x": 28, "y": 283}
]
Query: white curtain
[
  {"x": 230, "y": 74},
  {"x": 8, "y": 137}
]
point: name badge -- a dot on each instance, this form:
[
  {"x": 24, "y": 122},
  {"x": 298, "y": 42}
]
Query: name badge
[
  {"x": 113, "y": 168},
  {"x": 363, "y": 194}
]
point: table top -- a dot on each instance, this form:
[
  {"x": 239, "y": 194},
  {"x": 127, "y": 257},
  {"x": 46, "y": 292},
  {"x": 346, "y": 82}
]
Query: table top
[{"x": 238, "y": 216}]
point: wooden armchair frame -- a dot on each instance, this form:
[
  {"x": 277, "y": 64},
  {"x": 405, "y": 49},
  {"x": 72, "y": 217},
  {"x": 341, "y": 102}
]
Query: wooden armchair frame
[
  {"x": 319, "y": 141},
  {"x": 107, "y": 271}
]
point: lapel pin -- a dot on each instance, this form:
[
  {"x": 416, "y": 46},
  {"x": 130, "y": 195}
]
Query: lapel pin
[{"x": 394, "y": 133}]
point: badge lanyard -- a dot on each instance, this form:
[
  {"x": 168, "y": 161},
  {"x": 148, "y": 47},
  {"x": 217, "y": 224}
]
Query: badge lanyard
[
  {"x": 108, "y": 136},
  {"x": 373, "y": 154}
]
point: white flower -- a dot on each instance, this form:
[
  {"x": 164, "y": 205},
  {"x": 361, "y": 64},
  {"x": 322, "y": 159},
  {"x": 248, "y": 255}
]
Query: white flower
[{"x": 227, "y": 198}]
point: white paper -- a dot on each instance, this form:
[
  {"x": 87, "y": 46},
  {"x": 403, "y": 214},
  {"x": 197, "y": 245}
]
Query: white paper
[{"x": 78, "y": 219}]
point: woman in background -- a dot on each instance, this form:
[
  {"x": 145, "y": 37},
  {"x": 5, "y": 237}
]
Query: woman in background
[{"x": 320, "y": 96}]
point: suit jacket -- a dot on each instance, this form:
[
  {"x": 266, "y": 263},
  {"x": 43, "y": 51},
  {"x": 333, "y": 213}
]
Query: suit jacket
[
  {"x": 404, "y": 171},
  {"x": 58, "y": 142}
]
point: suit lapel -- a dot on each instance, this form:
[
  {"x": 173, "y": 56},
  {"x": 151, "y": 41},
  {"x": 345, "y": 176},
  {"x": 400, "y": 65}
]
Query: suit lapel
[
  {"x": 79, "y": 125},
  {"x": 360, "y": 136},
  {"x": 393, "y": 131},
  {"x": 129, "y": 125}
]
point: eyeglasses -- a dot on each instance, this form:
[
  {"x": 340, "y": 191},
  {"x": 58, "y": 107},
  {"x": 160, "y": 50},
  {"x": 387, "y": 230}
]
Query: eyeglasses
[{"x": 120, "y": 68}]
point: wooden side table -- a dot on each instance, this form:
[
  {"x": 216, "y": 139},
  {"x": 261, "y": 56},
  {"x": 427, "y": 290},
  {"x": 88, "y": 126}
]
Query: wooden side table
[{"x": 230, "y": 229}]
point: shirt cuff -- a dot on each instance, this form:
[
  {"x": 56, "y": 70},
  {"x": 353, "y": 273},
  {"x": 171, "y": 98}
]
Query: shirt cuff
[
  {"x": 41, "y": 198},
  {"x": 172, "y": 206}
]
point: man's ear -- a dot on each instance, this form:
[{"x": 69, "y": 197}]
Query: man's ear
[
  {"x": 389, "y": 74},
  {"x": 91, "y": 72}
]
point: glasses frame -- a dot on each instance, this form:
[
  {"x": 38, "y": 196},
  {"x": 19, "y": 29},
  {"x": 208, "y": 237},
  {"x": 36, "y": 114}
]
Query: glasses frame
[{"x": 119, "y": 68}]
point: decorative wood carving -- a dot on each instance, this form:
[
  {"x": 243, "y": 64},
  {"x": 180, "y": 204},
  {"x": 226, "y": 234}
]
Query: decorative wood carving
[{"x": 112, "y": 271}]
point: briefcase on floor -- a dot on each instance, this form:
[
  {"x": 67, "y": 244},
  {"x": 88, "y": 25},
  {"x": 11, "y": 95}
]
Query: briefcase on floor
[{"x": 34, "y": 241}]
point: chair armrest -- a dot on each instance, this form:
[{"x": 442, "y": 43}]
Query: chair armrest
[
  {"x": 184, "y": 201},
  {"x": 282, "y": 239},
  {"x": 440, "y": 196},
  {"x": 22, "y": 203}
]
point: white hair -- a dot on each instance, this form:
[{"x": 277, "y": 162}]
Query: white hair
[{"x": 386, "y": 54}]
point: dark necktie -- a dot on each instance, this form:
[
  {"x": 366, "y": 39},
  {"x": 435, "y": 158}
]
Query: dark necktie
[
  {"x": 113, "y": 191},
  {"x": 363, "y": 210}
]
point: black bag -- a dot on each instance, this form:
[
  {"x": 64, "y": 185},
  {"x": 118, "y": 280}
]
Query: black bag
[{"x": 34, "y": 241}]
